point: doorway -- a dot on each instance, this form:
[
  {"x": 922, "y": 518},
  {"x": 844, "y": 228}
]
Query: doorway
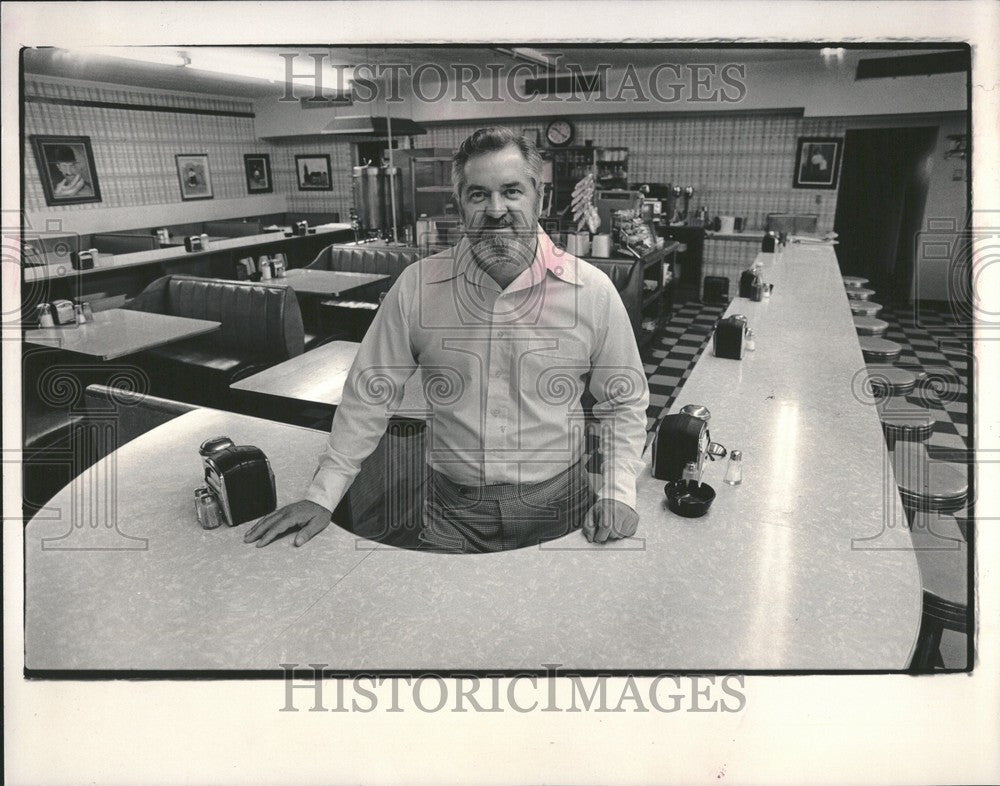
[{"x": 880, "y": 206}]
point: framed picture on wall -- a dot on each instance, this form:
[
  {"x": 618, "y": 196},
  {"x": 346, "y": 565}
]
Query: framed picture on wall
[
  {"x": 313, "y": 172},
  {"x": 258, "y": 171},
  {"x": 817, "y": 162},
  {"x": 194, "y": 175},
  {"x": 66, "y": 166}
]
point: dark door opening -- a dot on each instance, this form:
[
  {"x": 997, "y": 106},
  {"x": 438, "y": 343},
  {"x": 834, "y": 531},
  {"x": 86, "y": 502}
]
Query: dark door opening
[{"x": 880, "y": 206}]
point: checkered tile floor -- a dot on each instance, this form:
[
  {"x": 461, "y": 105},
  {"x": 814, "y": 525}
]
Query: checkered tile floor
[
  {"x": 931, "y": 340},
  {"x": 936, "y": 343},
  {"x": 669, "y": 358}
]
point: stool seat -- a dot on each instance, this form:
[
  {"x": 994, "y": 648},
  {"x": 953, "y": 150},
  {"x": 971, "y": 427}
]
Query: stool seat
[
  {"x": 866, "y": 308},
  {"x": 859, "y": 293},
  {"x": 870, "y": 326},
  {"x": 892, "y": 380},
  {"x": 941, "y": 555},
  {"x": 943, "y": 560},
  {"x": 902, "y": 420},
  {"x": 854, "y": 281},
  {"x": 879, "y": 349},
  {"x": 925, "y": 484}
]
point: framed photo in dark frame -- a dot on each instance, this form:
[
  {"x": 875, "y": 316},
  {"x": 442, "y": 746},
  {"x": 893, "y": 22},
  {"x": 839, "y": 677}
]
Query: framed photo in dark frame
[
  {"x": 66, "y": 167},
  {"x": 817, "y": 162},
  {"x": 313, "y": 172},
  {"x": 194, "y": 176},
  {"x": 257, "y": 167}
]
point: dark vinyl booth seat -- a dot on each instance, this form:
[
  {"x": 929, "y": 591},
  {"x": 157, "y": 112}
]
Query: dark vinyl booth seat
[
  {"x": 95, "y": 424},
  {"x": 350, "y": 318},
  {"x": 626, "y": 275},
  {"x": 367, "y": 258},
  {"x": 123, "y": 242},
  {"x": 233, "y": 228},
  {"x": 261, "y": 326}
]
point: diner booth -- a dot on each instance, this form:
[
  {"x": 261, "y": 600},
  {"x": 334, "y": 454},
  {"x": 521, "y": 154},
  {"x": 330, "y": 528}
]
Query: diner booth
[{"x": 201, "y": 257}]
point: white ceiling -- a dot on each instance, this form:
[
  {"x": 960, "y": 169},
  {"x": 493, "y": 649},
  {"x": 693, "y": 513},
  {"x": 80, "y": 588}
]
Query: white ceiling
[{"x": 83, "y": 65}]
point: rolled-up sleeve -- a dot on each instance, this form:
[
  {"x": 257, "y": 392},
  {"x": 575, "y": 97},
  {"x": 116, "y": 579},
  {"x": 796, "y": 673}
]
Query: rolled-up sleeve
[
  {"x": 374, "y": 387},
  {"x": 618, "y": 384}
]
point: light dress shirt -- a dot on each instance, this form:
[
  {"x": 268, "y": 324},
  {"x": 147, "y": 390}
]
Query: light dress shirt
[{"x": 502, "y": 375}]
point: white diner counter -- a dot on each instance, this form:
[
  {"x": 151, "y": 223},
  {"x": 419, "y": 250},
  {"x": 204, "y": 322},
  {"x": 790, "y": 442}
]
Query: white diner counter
[
  {"x": 778, "y": 575},
  {"x": 108, "y": 262}
]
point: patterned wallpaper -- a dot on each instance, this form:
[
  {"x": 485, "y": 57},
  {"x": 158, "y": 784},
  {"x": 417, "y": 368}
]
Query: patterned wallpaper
[
  {"x": 738, "y": 165},
  {"x": 133, "y": 149},
  {"x": 338, "y": 199}
]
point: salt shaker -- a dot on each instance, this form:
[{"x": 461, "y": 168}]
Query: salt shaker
[
  {"x": 751, "y": 344},
  {"x": 45, "y": 316},
  {"x": 734, "y": 469}
]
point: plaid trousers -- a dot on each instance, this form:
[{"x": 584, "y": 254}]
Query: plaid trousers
[{"x": 477, "y": 519}]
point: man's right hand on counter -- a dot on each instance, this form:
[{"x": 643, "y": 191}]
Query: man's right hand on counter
[{"x": 305, "y": 516}]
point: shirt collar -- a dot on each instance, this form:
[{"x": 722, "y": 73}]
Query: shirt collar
[{"x": 549, "y": 259}]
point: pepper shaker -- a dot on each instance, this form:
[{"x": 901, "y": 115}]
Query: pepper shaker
[{"x": 734, "y": 469}]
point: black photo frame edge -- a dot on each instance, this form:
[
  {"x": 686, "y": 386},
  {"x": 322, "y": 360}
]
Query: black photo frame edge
[
  {"x": 41, "y": 162},
  {"x": 266, "y": 157},
  {"x": 838, "y": 154},
  {"x": 329, "y": 172}
]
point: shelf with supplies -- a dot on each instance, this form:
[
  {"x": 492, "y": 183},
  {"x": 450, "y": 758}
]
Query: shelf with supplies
[{"x": 569, "y": 165}]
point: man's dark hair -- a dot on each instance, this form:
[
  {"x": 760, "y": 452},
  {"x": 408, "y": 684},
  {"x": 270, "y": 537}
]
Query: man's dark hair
[{"x": 490, "y": 140}]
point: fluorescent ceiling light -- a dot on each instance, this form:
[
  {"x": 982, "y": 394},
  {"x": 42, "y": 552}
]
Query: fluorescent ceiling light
[
  {"x": 269, "y": 65},
  {"x": 141, "y": 54}
]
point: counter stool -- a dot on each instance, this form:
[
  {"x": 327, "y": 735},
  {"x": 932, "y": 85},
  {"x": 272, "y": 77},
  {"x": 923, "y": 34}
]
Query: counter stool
[
  {"x": 926, "y": 485},
  {"x": 928, "y": 489},
  {"x": 854, "y": 281},
  {"x": 870, "y": 326},
  {"x": 880, "y": 350},
  {"x": 943, "y": 559},
  {"x": 859, "y": 293},
  {"x": 892, "y": 380},
  {"x": 904, "y": 421},
  {"x": 864, "y": 308}
]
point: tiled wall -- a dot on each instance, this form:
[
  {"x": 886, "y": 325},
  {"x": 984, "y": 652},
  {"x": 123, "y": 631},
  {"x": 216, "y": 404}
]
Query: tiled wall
[{"x": 134, "y": 149}]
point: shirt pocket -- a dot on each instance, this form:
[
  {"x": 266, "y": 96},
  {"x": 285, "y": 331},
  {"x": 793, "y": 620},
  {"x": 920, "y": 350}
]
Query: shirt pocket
[{"x": 554, "y": 371}]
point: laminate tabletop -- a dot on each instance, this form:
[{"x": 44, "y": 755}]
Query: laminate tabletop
[
  {"x": 317, "y": 377},
  {"x": 112, "y": 262},
  {"x": 805, "y": 566},
  {"x": 325, "y": 282},
  {"x": 119, "y": 332}
]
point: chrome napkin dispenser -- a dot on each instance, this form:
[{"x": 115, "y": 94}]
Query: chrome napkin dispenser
[
  {"x": 241, "y": 478},
  {"x": 751, "y": 284},
  {"x": 680, "y": 446},
  {"x": 84, "y": 259},
  {"x": 730, "y": 337},
  {"x": 300, "y": 228},
  {"x": 196, "y": 243}
]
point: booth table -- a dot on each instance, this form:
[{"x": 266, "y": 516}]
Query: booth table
[
  {"x": 317, "y": 378},
  {"x": 119, "y": 332},
  {"x": 333, "y": 283},
  {"x": 806, "y": 566}
]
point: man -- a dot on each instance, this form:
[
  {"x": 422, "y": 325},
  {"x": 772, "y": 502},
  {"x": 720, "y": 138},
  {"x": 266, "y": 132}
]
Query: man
[
  {"x": 515, "y": 327},
  {"x": 72, "y": 182}
]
